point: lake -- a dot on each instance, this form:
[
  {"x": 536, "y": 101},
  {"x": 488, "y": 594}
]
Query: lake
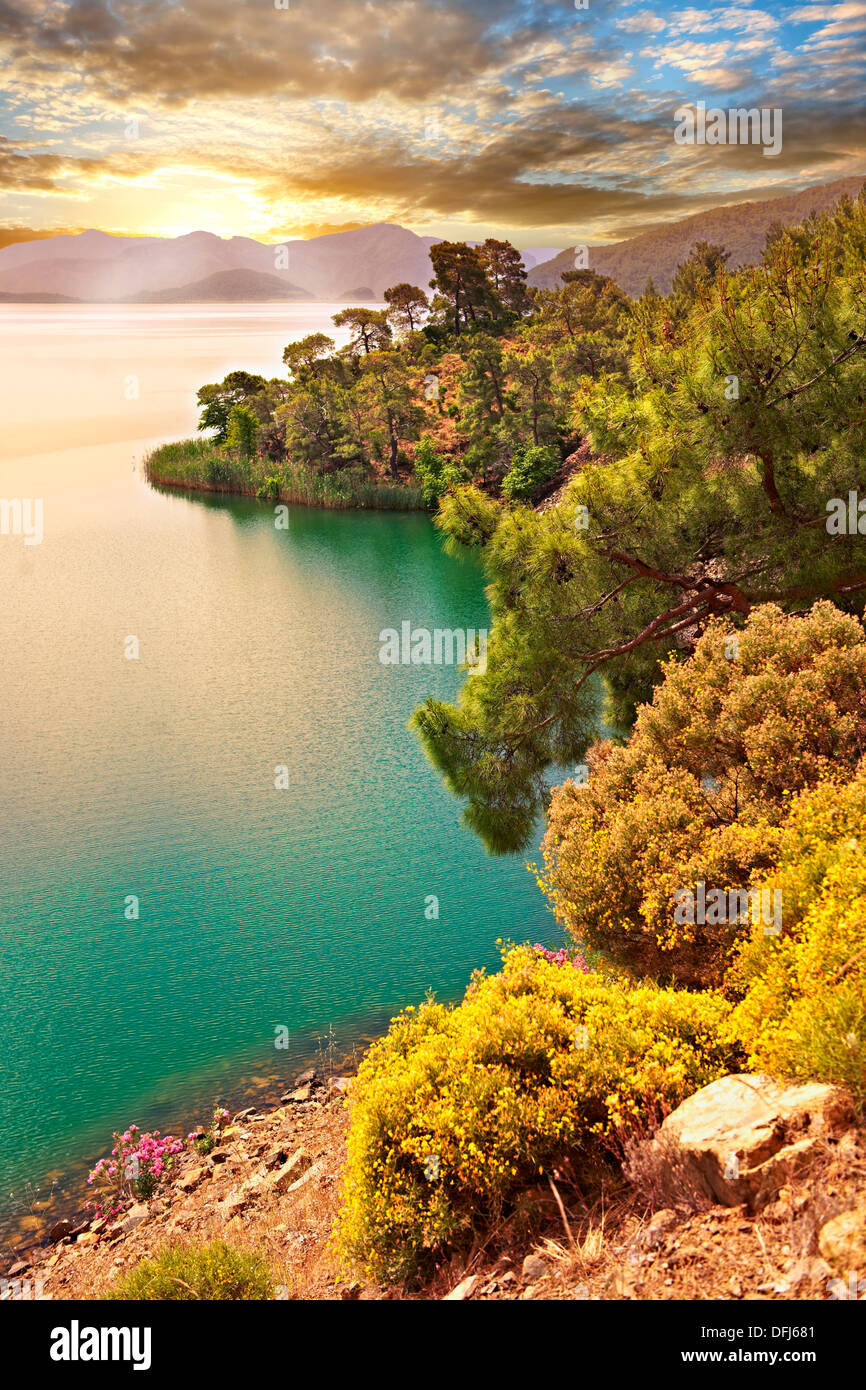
[{"x": 147, "y": 784}]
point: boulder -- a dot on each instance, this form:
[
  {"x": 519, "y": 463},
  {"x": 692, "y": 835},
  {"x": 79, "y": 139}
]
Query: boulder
[
  {"x": 743, "y": 1137},
  {"x": 842, "y": 1241},
  {"x": 60, "y": 1230}
]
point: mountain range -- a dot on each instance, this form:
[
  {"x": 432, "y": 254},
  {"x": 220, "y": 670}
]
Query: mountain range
[
  {"x": 740, "y": 227},
  {"x": 356, "y": 265}
]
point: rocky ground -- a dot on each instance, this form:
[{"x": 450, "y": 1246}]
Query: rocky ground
[{"x": 751, "y": 1190}]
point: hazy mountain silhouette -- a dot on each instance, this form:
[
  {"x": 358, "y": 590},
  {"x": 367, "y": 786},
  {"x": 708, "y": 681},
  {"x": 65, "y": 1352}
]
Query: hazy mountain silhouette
[
  {"x": 227, "y": 285},
  {"x": 95, "y": 266}
]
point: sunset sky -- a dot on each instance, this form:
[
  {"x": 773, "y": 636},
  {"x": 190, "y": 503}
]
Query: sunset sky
[{"x": 522, "y": 118}]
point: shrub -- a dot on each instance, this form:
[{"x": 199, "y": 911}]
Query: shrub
[
  {"x": 435, "y": 473},
  {"x": 532, "y": 465},
  {"x": 456, "y": 1109},
  {"x": 803, "y": 1013},
  {"x": 701, "y": 789},
  {"x": 206, "y": 1272}
]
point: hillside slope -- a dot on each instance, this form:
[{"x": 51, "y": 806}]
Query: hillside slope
[{"x": 742, "y": 228}]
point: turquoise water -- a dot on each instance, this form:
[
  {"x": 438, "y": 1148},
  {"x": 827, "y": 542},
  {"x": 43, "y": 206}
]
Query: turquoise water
[{"x": 259, "y": 908}]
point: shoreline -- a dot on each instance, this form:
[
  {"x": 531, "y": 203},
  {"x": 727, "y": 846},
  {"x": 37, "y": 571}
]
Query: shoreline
[
  {"x": 24, "y": 1229},
  {"x": 291, "y": 500}
]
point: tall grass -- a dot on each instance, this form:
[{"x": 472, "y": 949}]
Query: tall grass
[{"x": 200, "y": 464}]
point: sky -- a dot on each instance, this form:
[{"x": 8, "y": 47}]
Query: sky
[{"x": 534, "y": 120}]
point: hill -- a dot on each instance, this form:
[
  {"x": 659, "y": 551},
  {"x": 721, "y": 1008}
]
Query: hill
[
  {"x": 227, "y": 286},
  {"x": 741, "y": 227},
  {"x": 94, "y": 266}
]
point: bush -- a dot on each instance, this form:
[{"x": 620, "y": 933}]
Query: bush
[
  {"x": 532, "y": 465},
  {"x": 803, "y": 1013},
  {"x": 456, "y": 1109},
  {"x": 206, "y": 1272},
  {"x": 702, "y": 787},
  {"x": 436, "y": 474}
]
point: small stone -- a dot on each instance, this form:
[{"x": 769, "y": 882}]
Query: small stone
[
  {"x": 658, "y": 1227},
  {"x": 463, "y": 1289},
  {"x": 133, "y": 1218},
  {"x": 192, "y": 1179},
  {"x": 299, "y": 1096},
  {"x": 533, "y": 1269},
  {"x": 351, "y": 1291}
]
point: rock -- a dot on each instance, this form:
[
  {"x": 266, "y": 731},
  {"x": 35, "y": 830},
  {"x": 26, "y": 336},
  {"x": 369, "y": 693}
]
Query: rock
[
  {"x": 133, "y": 1218},
  {"x": 463, "y": 1289},
  {"x": 60, "y": 1230},
  {"x": 218, "y": 1156},
  {"x": 533, "y": 1269},
  {"x": 662, "y": 1222},
  {"x": 285, "y": 1177},
  {"x": 340, "y": 1084},
  {"x": 87, "y": 1238},
  {"x": 743, "y": 1137},
  {"x": 351, "y": 1291},
  {"x": 299, "y": 1096},
  {"x": 18, "y": 1268},
  {"x": 233, "y": 1204},
  {"x": 306, "y": 1078},
  {"x": 842, "y": 1240},
  {"x": 245, "y": 1114},
  {"x": 307, "y": 1177},
  {"x": 192, "y": 1179}
]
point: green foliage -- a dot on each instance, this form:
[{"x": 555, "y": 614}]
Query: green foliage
[
  {"x": 218, "y": 399},
  {"x": 803, "y": 1011},
  {"x": 703, "y": 492},
  {"x": 243, "y": 425},
  {"x": 538, "y": 1063},
  {"x": 194, "y": 463},
  {"x": 532, "y": 466},
  {"x": 208, "y": 1272},
  {"x": 701, "y": 789},
  {"x": 435, "y": 473}
]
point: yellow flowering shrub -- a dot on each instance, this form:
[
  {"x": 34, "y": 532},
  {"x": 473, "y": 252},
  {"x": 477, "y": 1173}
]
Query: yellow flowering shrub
[
  {"x": 699, "y": 792},
  {"x": 803, "y": 1013},
  {"x": 458, "y": 1108}
]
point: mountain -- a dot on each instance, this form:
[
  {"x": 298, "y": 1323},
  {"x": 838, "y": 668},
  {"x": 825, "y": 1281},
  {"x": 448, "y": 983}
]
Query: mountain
[
  {"x": 94, "y": 266},
  {"x": 742, "y": 228},
  {"x": 536, "y": 255},
  {"x": 97, "y": 267},
  {"x": 225, "y": 286}
]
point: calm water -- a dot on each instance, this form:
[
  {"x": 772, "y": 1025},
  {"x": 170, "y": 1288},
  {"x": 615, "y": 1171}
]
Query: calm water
[{"x": 258, "y": 908}]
